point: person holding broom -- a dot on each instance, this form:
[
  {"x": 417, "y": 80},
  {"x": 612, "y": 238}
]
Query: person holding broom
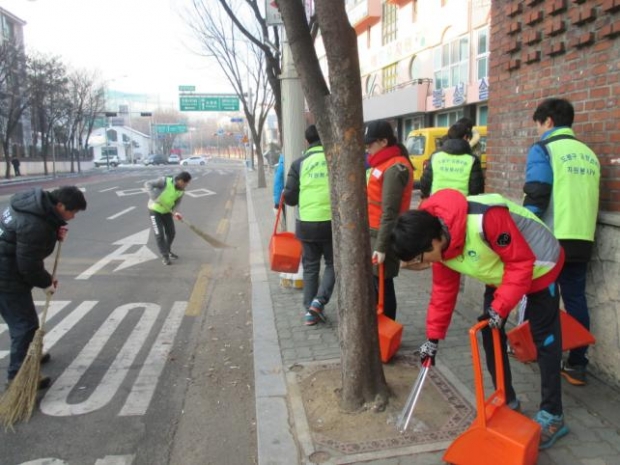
[
  {"x": 29, "y": 229},
  {"x": 165, "y": 194}
]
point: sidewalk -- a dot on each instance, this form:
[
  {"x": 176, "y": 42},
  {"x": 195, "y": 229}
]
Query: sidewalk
[{"x": 282, "y": 343}]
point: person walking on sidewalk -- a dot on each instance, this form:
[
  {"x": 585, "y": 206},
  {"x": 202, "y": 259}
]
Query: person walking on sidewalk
[
  {"x": 389, "y": 189},
  {"x": 165, "y": 194},
  {"x": 562, "y": 179},
  {"x": 453, "y": 166},
  {"x": 307, "y": 186},
  {"x": 29, "y": 229},
  {"x": 503, "y": 245}
]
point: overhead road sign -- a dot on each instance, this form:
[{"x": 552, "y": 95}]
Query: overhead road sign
[
  {"x": 209, "y": 102},
  {"x": 187, "y": 88},
  {"x": 170, "y": 128}
]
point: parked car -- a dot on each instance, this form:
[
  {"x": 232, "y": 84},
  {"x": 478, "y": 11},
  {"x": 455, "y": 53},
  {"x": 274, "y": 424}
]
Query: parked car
[
  {"x": 155, "y": 159},
  {"x": 174, "y": 159},
  {"x": 194, "y": 160},
  {"x": 105, "y": 160}
]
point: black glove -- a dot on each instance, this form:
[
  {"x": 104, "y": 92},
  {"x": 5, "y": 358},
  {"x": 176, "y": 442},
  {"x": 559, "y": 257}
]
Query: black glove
[
  {"x": 429, "y": 350},
  {"x": 495, "y": 320}
]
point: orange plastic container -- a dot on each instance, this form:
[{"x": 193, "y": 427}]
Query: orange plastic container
[
  {"x": 390, "y": 331},
  {"x": 573, "y": 335},
  {"x": 284, "y": 249},
  {"x": 498, "y": 435}
]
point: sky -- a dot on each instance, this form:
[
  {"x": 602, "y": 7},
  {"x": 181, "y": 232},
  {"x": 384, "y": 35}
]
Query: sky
[{"x": 137, "y": 46}]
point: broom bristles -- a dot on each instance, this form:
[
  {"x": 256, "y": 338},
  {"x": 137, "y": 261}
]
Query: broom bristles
[{"x": 17, "y": 403}]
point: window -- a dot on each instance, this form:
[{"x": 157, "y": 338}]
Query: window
[
  {"x": 451, "y": 62},
  {"x": 389, "y": 21},
  {"x": 369, "y": 87},
  {"x": 483, "y": 112},
  {"x": 414, "y": 68},
  {"x": 449, "y": 118},
  {"x": 389, "y": 77},
  {"x": 8, "y": 29},
  {"x": 482, "y": 54}
]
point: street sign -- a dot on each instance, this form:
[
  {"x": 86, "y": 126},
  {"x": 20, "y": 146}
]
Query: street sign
[
  {"x": 236, "y": 120},
  {"x": 170, "y": 128},
  {"x": 209, "y": 102},
  {"x": 187, "y": 88}
]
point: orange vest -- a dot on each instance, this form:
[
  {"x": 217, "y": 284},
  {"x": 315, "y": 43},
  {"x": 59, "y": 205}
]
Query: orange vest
[{"x": 375, "y": 190}]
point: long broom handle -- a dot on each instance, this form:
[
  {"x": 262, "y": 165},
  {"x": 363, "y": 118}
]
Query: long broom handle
[{"x": 48, "y": 296}]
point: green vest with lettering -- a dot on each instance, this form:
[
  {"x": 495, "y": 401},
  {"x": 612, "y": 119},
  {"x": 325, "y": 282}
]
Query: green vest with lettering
[
  {"x": 480, "y": 261},
  {"x": 451, "y": 172},
  {"x": 168, "y": 198},
  {"x": 573, "y": 207},
  {"x": 314, "y": 200}
]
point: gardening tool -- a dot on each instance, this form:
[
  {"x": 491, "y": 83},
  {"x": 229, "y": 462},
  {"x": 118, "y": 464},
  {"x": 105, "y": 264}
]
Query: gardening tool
[
  {"x": 206, "y": 237},
  {"x": 405, "y": 415},
  {"x": 17, "y": 403},
  {"x": 390, "y": 331},
  {"x": 573, "y": 335},
  {"x": 284, "y": 248},
  {"x": 498, "y": 435}
]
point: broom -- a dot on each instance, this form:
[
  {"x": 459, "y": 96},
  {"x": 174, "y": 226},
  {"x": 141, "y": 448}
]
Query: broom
[{"x": 17, "y": 403}]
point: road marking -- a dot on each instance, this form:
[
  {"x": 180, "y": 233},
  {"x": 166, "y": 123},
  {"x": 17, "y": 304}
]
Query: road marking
[
  {"x": 66, "y": 324},
  {"x": 126, "y": 192},
  {"x": 222, "y": 227},
  {"x": 199, "y": 292},
  {"x": 127, "y": 210},
  {"x": 107, "y": 460},
  {"x": 228, "y": 205},
  {"x": 144, "y": 387},
  {"x": 197, "y": 193},
  {"x": 144, "y": 254},
  {"x": 55, "y": 402},
  {"x": 109, "y": 189}
]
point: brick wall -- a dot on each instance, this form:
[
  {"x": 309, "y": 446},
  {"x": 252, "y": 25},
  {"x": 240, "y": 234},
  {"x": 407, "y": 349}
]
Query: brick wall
[{"x": 554, "y": 48}]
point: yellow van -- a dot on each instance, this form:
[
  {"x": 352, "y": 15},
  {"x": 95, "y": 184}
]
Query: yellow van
[{"x": 421, "y": 143}]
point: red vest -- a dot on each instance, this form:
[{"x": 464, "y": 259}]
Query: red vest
[{"x": 375, "y": 190}]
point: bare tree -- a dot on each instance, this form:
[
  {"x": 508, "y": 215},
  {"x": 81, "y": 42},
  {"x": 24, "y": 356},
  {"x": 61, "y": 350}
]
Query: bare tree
[
  {"x": 163, "y": 142},
  {"x": 13, "y": 96},
  {"x": 337, "y": 107},
  {"x": 240, "y": 60}
]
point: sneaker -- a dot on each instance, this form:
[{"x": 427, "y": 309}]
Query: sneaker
[
  {"x": 165, "y": 260},
  {"x": 574, "y": 374},
  {"x": 44, "y": 382},
  {"x": 310, "y": 319},
  {"x": 316, "y": 308},
  {"x": 46, "y": 357},
  {"x": 173, "y": 256},
  {"x": 552, "y": 428}
]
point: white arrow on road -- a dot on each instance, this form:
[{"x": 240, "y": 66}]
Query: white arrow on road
[{"x": 143, "y": 254}]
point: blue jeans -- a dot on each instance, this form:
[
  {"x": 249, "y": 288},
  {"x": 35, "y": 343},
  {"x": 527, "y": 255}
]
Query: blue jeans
[
  {"x": 20, "y": 315},
  {"x": 572, "y": 281},
  {"x": 312, "y": 253}
]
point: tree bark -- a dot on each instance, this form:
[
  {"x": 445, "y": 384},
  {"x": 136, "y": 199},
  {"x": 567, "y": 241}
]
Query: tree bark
[{"x": 337, "y": 109}]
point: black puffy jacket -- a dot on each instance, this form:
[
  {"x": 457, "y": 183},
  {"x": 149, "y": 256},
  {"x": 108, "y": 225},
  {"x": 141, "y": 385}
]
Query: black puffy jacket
[{"x": 28, "y": 234}]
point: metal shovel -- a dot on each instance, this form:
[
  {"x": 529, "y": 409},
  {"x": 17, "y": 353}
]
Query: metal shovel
[{"x": 405, "y": 415}]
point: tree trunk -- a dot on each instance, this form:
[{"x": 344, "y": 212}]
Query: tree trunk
[{"x": 338, "y": 113}]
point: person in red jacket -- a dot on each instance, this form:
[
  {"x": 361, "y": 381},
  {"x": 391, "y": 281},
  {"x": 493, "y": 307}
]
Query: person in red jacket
[{"x": 506, "y": 246}]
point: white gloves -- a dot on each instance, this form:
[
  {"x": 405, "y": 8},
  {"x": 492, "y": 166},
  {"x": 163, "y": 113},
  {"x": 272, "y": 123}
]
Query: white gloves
[{"x": 378, "y": 257}]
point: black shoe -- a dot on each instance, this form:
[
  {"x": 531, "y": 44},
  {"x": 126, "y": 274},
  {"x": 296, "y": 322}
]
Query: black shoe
[
  {"x": 46, "y": 357},
  {"x": 44, "y": 382},
  {"x": 165, "y": 260},
  {"x": 574, "y": 374},
  {"x": 173, "y": 256}
]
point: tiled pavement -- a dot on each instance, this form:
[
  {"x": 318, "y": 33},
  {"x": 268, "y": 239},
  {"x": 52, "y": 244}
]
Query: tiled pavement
[{"x": 281, "y": 341}]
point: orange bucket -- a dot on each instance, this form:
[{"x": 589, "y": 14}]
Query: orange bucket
[
  {"x": 573, "y": 335},
  {"x": 284, "y": 249},
  {"x": 390, "y": 331},
  {"x": 498, "y": 435}
]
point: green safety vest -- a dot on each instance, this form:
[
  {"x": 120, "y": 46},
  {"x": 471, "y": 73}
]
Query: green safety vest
[
  {"x": 167, "y": 199},
  {"x": 480, "y": 261},
  {"x": 573, "y": 206},
  {"x": 451, "y": 172},
  {"x": 314, "y": 203}
]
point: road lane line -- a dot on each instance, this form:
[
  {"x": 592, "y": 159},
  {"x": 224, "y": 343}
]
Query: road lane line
[
  {"x": 53, "y": 335},
  {"x": 109, "y": 189},
  {"x": 143, "y": 389},
  {"x": 222, "y": 227},
  {"x": 127, "y": 210},
  {"x": 55, "y": 402},
  {"x": 199, "y": 292},
  {"x": 116, "y": 460}
]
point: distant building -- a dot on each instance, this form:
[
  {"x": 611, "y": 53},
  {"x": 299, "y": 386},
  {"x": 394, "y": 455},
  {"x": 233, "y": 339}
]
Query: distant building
[{"x": 129, "y": 145}]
